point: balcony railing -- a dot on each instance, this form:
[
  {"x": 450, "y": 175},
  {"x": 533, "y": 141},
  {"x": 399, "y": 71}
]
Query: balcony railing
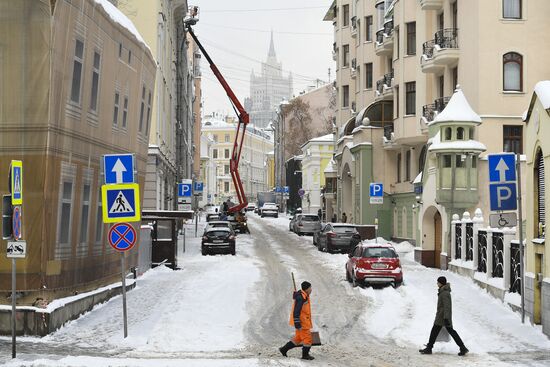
[
  {"x": 428, "y": 111},
  {"x": 388, "y": 131},
  {"x": 385, "y": 82},
  {"x": 447, "y": 38},
  {"x": 380, "y": 36},
  {"x": 388, "y": 28},
  {"x": 440, "y": 103},
  {"x": 428, "y": 49},
  {"x": 388, "y": 79}
]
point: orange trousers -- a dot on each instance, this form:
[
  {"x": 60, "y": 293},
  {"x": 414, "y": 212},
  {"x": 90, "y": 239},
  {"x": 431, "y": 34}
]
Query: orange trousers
[{"x": 303, "y": 337}]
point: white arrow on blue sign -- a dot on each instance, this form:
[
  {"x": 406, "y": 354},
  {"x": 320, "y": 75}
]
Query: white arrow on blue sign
[
  {"x": 119, "y": 168},
  {"x": 502, "y": 177}
]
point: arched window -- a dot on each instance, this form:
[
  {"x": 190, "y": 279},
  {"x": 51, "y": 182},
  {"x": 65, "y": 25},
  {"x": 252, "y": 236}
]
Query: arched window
[
  {"x": 512, "y": 63},
  {"x": 540, "y": 210},
  {"x": 460, "y": 133},
  {"x": 448, "y": 133}
]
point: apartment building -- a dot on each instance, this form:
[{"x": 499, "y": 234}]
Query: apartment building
[
  {"x": 72, "y": 76},
  {"x": 171, "y": 151},
  {"x": 256, "y": 147},
  {"x": 317, "y": 154},
  {"x": 398, "y": 64}
]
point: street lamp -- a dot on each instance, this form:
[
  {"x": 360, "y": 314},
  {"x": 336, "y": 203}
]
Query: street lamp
[{"x": 281, "y": 144}]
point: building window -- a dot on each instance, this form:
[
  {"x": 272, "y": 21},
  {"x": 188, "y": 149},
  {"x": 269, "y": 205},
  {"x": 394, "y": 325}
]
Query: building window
[
  {"x": 455, "y": 77},
  {"x": 448, "y": 133},
  {"x": 142, "y": 109},
  {"x": 539, "y": 199},
  {"x": 77, "y": 71},
  {"x": 368, "y": 75},
  {"x": 84, "y": 217},
  {"x": 226, "y": 186},
  {"x": 226, "y": 169},
  {"x": 149, "y": 100},
  {"x": 215, "y": 138},
  {"x": 345, "y": 96},
  {"x": 459, "y": 161},
  {"x": 125, "y": 112},
  {"x": 512, "y": 139},
  {"x": 345, "y": 56},
  {"x": 120, "y": 50},
  {"x": 511, "y": 9},
  {"x": 408, "y": 165},
  {"x": 460, "y": 133},
  {"x": 95, "y": 82},
  {"x": 411, "y": 38},
  {"x": 63, "y": 250},
  {"x": 368, "y": 28},
  {"x": 474, "y": 161},
  {"x": 129, "y": 57},
  {"x": 227, "y": 137},
  {"x": 398, "y": 167},
  {"x": 115, "y": 111},
  {"x": 215, "y": 153},
  {"x": 513, "y": 71},
  {"x": 410, "y": 102},
  {"x": 422, "y": 159},
  {"x": 396, "y": 101},
  {"x": 99, "y": 227},
  {"x": 447, "y": 161},
  {"x": 396, "y": 32},
  {"x": 226, "y": 153},
  {"x": 345, "y": 15}
]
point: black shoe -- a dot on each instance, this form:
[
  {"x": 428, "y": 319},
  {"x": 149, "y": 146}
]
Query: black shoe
[
  {"x": 305, "y": 354},
  {"x": 463, "y": 351},
  {"x": 285, "y": 348},
  {"x": 426, "y": 350}
]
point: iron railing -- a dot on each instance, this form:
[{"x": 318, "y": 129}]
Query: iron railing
[
  {"x": 385, "y": 82},
  {"x": 469, "y": 241},
  {"x": 498, "y": 255},
  {"x": 388, "y": 131},
  {"x": 428, "y": 111},
  {"x": 388, "y": 79},
  {"x": 482, "y": 251},
  {"x": 447, "y": 38},
  {"x": 458, "y": 240},
  {"x": 380, "y": 36},
  {"x": 428, "y": 49},
  {"x": 388, "y": 27},
  {"x": 440, "y": 103},
  {"x": 515, "y": 273},
  {"x": 380, "y": 86}
]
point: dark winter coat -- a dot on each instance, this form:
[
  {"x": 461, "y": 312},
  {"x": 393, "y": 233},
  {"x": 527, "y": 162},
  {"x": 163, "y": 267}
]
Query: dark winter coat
[{"x": 444, "y": 306}]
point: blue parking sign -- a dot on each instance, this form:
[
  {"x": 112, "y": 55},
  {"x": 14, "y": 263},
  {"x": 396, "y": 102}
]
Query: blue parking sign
[
  {"x": 376, "y": 189},
  {"x": 198, "y": 186},
  {"x": 503, "y": 196},
  {"x": 185, "y": 189}
]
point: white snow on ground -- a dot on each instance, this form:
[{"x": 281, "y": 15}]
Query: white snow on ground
[
  {"x": 406, "y": 314},
  {"x": 124, "y": 362}
]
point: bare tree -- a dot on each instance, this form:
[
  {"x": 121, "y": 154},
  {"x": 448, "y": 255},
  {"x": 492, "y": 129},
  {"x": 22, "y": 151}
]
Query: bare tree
[
  {"x": 297, "y": 126},
  {"x": 326, "y": 113}
]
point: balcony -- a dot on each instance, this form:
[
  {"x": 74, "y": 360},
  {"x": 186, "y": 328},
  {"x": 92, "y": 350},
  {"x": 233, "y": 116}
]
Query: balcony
[
  {"x": 334, "y": 52},
  {"x": 431, "y": 4},
  {"x": 441, "y": 51},
  {"x": 384, "y": 40},
  {"x": 430, "y": 111},
  {"x": 384, "y": 87},
  {"x": 353, "y": 69},
  {"x": 354, "y": 26}
]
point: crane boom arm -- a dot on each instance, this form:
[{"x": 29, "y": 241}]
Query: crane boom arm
[{"x": 244, "y": 119}]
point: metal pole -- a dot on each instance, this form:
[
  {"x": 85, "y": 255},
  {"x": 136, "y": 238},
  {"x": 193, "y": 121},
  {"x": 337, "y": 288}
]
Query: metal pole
[
  {"x": 13, "y": 308},
  {"x": 521, "y": 250},
  {"x": 184, "y": 238},
  {"x": 124, "y": 314}
]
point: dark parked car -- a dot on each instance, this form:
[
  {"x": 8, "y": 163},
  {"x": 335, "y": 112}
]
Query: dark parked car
[
  {"x": 335, "y": 237},
  {"x": 374, "y": 263},
  {"x": 219, "y": 224},
  {"x": 218, "y": 240}
]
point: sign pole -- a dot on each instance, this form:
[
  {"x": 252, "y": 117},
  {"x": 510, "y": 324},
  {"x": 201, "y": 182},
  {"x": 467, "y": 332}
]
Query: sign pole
[
  {"x": 13, "y": 308},
  {"x": 124, "y": 314},
  {"x": 521, "y": 249}
]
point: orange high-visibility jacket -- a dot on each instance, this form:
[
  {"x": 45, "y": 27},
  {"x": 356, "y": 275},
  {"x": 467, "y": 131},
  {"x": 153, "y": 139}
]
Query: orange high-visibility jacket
[{"x": 301, "y": 310}]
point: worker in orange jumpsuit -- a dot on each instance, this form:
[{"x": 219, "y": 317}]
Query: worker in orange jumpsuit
[{"x": 300, "y": 318}]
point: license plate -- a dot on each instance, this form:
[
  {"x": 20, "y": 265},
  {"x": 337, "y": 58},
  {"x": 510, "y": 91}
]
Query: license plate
[
  {"x": 379, "y": 266},
  {"x": 217, "y": 241}
]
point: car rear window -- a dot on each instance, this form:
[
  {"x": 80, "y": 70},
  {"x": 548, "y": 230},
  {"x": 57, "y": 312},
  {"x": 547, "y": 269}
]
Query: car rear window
[
  {"x": 379, "y": 252},
  {"x": 217, "y": 233},
  {"x": 343, "y": 229},
  {"x": 310, "y": 218}
]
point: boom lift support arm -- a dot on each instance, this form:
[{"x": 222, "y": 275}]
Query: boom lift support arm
[{"x": 241, "y": 128}]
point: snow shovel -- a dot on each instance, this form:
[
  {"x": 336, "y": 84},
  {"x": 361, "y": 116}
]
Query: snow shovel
[{"x": 315, "y": 338}]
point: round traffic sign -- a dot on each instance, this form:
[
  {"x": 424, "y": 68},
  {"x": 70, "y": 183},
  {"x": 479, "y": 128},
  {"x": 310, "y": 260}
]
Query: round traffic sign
[
  {"x": 16, "y": 222},
  {"x": 122, "y": 236},
  {"x": 301, "y": 192}
]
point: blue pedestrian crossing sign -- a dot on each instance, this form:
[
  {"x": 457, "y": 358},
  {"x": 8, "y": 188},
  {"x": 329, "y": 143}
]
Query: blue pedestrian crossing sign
[
  {"x": 16, "y": 182},
  {"x": 119, "y": 168},
  {"x": 185, "y": 189},
  {"x": 120, "y": 203},
  {"x": 502, "y": 181}
]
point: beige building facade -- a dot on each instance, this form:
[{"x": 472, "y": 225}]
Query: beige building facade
[
  {"x": 398, "y": 64},
  {"x": 71, "y": 81}
]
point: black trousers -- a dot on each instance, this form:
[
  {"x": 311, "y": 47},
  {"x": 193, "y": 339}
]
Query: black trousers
[{"x": 452, "y": 332}]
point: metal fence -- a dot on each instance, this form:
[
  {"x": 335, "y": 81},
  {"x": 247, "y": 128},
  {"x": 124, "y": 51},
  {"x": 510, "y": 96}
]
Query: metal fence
[
  {"x": 482, "y": 251},
  {"x": 498, "y": 255}
]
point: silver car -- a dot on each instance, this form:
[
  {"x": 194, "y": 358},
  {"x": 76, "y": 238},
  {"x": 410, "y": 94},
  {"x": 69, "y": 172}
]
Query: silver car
[{"x": 306, "y": 223}]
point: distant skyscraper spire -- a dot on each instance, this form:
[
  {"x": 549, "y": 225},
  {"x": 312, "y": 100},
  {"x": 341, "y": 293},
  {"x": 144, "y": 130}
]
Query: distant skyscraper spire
[{"x": 271, "y": 52}]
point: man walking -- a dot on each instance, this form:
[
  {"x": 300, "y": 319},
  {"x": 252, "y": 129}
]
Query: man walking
[
  {"x": 444, "y": 318},
  {"x": 300, "y": 318}
]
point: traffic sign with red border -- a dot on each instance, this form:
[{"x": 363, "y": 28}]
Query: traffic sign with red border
[
  {"x": 122, "y": 236},
  {"x": 16, "y": 223}
]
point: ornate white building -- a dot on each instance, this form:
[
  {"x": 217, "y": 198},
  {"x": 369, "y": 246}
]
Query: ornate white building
[{"x": 267, "y": 90}]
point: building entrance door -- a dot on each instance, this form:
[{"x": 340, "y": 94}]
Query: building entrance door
[{"x": 437, "y": 240}]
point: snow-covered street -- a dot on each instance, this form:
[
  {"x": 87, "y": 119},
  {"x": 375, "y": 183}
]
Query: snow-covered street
[{"x": 233, "y": 311}]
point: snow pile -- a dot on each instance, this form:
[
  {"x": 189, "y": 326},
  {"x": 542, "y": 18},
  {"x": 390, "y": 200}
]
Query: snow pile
[
  {"x": 134, "y": 362},
  {"x": 542, "y": 89}
]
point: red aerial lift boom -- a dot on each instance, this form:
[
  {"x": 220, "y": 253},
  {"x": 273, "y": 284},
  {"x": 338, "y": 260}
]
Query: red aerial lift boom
[{"x": 241, "y": 128}]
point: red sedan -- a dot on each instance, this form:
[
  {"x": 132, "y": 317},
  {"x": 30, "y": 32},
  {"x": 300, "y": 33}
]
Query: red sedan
[{"x": 374, "y": 264}]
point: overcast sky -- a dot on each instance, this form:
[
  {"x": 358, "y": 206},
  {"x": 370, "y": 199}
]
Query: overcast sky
[{"x": 236, "y": 35}]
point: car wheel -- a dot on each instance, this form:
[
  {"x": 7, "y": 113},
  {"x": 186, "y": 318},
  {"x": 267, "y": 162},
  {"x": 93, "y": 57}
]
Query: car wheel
[
  {"x": 261, "y": 216},
  {"x": 348, "y": 277},
  {"x": 204, "y": 252},
  {"x": 397, "y": 284},
  {"x": 233, "y": 252},
  {"x": 319, "y": 248},
  {"x": 354, "y": 281},
  {"x": 276, "y": 216},
  {"x": 329, "y": 249}
]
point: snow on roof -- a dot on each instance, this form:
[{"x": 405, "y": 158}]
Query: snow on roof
[
  {"x": 469, "y": 145},
  {"x": 118, "y": 17},
  {"x": 418, "y": 178},
  {"x": 458, "y": 109},
  {"x": 328, "y": 137},
  {"x": 330, "y": 167},
  {"x": 542, "y": 89}
]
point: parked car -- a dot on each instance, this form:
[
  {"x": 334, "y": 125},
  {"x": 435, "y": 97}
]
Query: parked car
[
  {"x": 250, "y": 207},
  {"x": 269, "y": 209},
  {"x": 211, "y": 212},
  {"x": 374, "y": 264},
  {"x": 218, "y": 240},
  {"x": 337, "y": 237},
  {"x": 219, "y": 224},
  {"x": 306, "y": 224},
  {"x": 291, "y": 223}
]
